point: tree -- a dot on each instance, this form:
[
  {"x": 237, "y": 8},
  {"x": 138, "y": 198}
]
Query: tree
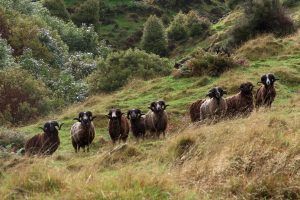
[
  {"x": 154, "y": 39},
  {"x": 57, "y": 8},
  {"x": 88, "y": 13},
  {"x": 177, "y": 29}
]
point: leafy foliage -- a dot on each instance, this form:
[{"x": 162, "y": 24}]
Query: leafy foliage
[
  {"x": 80, "y": 65},
  {"x": 262, "y": 17},
  {"x": 154, "y": 38},
  {"x": 22, "y": 97},
  {"x": 119, "y": 67},
  {"x": 6, "y": 58},
  {"x": 57, "y": 8},
  {"x": 196, "y": 25},
  {"x": 87, "y": 13},
  {"x": 177, "y": 29}
]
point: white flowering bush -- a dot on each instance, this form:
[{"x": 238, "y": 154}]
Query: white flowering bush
[
  {"x": 58, "y": 49},
  {"x": 6, "y": 58},
  {"x": 80, "y": 65}
]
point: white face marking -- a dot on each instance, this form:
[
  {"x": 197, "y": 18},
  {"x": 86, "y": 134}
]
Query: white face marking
[
  {"x": 113, "y": 114},
  {"x": 85, "y": 117},
  {"x": 268, "y": 82},
  {"x": 158, "y": 106}
]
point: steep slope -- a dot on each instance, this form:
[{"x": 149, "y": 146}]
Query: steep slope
[{"x": 255, "y": 157}]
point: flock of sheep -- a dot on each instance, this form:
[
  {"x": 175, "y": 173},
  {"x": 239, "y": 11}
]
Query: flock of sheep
[{"x": 155, "y": 122}]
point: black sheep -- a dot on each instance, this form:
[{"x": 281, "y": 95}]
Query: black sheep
[{"x": 137, "y": 123}]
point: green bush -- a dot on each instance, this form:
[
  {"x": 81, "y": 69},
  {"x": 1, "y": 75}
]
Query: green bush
[
  {"x": 264, "y": 16},
  {"x": 6, "y": 58},
  {"x": 290, "y": 3},
  {"x": 177, "y": 29},
  {"x": 4, "y": 27},
  {"x": 87, "y": 13},
  {"x": 196, "y": 25},
  {"x": 119, "y": 67},
  {"x": 22, "y": 97},
  {"x": 80, "y": 65},
  {"x": 204, "y": 63},
  {"x": 57, "y": 8},
  {"x": 154, "y": 39}
]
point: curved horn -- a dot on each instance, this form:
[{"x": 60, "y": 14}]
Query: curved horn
[
  {"x": 59, "y": 127},
  {"x": 77, "y": 119},
  {"x": 128, "y": 114}
]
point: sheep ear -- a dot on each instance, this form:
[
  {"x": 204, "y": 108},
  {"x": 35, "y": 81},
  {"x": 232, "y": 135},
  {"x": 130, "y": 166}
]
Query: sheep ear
[
  {"x": 108, "y": 116},
  {"x": 42, "y": 128},
  {"x": 277, "y": 79},
  {"x": 77, "y": 119},
  {"x": 93, "y": 118},
  {"x": 224, "y": 92},
  {"x": 259, "y": 82}
]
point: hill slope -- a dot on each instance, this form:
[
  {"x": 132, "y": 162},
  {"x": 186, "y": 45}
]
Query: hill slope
[
  {"x": 255, "y": 157},
  {"x": 245, "y": 158}
]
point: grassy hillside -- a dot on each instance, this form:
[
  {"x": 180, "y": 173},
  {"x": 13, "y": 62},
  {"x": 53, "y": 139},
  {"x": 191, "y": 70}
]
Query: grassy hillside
[
  {"x": 257, "y": 157},
  {"x": 122, "y": 23}
]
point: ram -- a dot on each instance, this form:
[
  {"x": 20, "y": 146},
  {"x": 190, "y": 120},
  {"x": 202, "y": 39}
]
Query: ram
[
  {"x": 118, "y": 126},
  {"x": 83, "y": 131},
  {"x": 137, "y": 122},
  {"x": 266, "y": 94},
  {"x": 215, "y": 107},
  {"x": 157, "y": 119},
  {"x": 242, "y": 103},
  {"x": 45, "y": 143}
]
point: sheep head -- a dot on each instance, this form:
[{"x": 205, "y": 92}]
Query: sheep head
[
  {"x": 268, "y": 79},
  {"x": 246, "y": 88},
  {"x": 51, "y": 127},
  {"x": 85, "y": 118},
  {"x": 114, "y": 114},
  {"x": 134, "y": 114},
  {"x": 216, "y": 92},
  {"x": 158, "y": 106}
]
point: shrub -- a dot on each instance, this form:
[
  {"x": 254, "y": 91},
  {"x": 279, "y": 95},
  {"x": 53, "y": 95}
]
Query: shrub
[
  {"x": 57, "y": 8},
  {"x": 290, "y": 3},
  {"x": 24, "y": 34},
  {"x": 4, "y": 27},
  {"x": 80, "y": 65},
  {"x": 55, "y": 46},
  {"x": 88, "y": 13},
  {"x": 6, "y": 58},
  {"x": 11, "y": 140},
  {"x": 262, "y": 17},
  {"x": 196, "y": 25},
  {"x": 154, "y": 39},
  {"x": 22, "y": 97},
  {"x": 204, "y": 63},
  {"x": 177, "y": 29},
  {"x": 66, "y": 89},
  {"x": 119, "y": 67}
]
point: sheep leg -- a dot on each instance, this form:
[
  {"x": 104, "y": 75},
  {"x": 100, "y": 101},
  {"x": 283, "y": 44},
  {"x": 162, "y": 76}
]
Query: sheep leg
[
  {"x": 88, "y": 148},
  {"x": 164, "y": 134}
]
